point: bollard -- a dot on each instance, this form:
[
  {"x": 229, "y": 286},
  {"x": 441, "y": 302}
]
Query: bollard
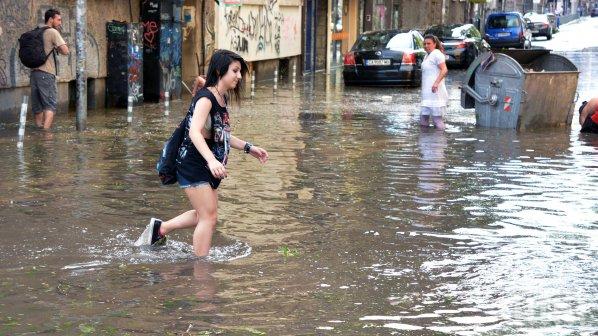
[
  {"x": 166, "y": 102},
  {"x": 130, "y": 109},
  {"x": 22, "y": 121},
  {"x": 294, "y": 73},
  {"x": 275, "y": 79},
  {"x": 252, "y": 84}
]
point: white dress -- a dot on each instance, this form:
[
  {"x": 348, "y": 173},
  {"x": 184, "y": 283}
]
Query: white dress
[{"x": 430, "y": 72}]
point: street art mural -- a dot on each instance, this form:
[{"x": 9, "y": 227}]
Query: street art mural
[
  {"x": 16, "y": 14},
  {"x": 259, "y": 32},
  {"x": 124, "y": 63},
  {"x": 162, "y": 44},
  {"x": 150, "y": 18},
  {"x": 135, "y": 62}
]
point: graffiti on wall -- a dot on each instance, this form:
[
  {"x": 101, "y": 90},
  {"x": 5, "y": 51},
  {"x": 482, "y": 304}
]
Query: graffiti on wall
[
  {"x": 259, "y": 25},
  {"x": 135, "y": 62},
  {"x": 261, "y": 31},
  {"x": 17, "y": 14}
]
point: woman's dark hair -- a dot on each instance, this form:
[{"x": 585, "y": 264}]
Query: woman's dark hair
[
  {"x": 219, "y": 63},
  {"x": 50, "y": 13},
  {"x": 437, "y": 44}
]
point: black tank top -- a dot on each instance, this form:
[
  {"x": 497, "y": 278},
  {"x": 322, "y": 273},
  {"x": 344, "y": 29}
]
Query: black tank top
[{"x": 220, "y": 131}]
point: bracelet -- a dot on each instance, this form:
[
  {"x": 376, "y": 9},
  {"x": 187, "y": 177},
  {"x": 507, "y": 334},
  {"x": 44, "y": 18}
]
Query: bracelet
[{"x": 247, "y": 147}]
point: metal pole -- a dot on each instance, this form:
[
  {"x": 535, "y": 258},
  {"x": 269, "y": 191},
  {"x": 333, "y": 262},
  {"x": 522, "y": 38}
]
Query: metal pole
[
  {"x": 130, "y": 109},
  {"x": 80, "y": 34},
  {"x": 294, "y": 73},
  {"x": 22, "y": 121},
  {"x": 276, "y": 78},
  {"x": 252, "y": 84},
  {"x": 166, "y": 102}
]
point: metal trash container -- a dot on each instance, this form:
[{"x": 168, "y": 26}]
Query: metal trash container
[{"x": 521, "y": 89}]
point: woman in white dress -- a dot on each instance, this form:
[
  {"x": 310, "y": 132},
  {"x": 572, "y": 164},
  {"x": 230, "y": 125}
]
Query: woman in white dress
[{"x": 434, "y": 94}]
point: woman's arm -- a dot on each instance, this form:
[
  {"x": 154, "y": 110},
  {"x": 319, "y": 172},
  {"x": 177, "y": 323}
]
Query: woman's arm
[
  {"x": 441, "y": 75},
  {"x": 255, "y": 151},
  {"x": 200, "y": 115},
  {"x": 199, "y": 82}
]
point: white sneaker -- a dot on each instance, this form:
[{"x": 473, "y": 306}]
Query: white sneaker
[{"x": 151, "y": 235}]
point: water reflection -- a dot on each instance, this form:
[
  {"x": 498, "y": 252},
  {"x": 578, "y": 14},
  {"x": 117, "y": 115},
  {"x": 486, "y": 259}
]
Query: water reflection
[
  {"x": 431, "y": 144},
  {"x": 397, "y": 230}
]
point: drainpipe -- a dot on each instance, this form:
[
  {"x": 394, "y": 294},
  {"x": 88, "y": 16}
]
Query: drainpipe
[{"x": 80, "y": 34}]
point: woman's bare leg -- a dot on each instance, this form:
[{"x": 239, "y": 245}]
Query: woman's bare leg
[
  {"x": 204, "y": 200},
  {"x": 185, "y": 220},
  {"x": 439, "y": 123},
  {"x": 424, "y": 120}
]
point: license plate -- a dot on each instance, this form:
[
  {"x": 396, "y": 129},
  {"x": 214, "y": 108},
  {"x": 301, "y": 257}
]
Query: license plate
[
  {"x": 503, "y": 34},
  {"x": 377, "y": 62},
  {"x": 535, "y": 31}
]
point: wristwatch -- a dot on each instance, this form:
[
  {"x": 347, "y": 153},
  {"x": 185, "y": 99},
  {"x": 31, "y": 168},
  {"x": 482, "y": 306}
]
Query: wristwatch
[{"x": 247, "y": 147}]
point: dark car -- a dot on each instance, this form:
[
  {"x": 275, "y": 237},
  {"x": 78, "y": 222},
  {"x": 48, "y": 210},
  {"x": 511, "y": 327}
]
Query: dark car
[
  {"x": 540, "y": 25},
  {"x": 385, "y": 57},
  {"x": 462, "y": 42},
  {"x": 594, "y": 11},
  {"x": 507, "y": 30}
]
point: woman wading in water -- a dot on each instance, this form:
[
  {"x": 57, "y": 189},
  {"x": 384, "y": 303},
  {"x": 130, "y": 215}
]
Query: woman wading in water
[{"x": 203, "y": 155}]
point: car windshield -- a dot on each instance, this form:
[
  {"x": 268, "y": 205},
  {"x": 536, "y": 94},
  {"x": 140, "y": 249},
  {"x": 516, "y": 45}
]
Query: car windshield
[
  {"x": 537, "y": 17},
  {"x": 384, "y": 40},
  {"x": 503, "y": 21},
  {"x": 447, "y": 32}
]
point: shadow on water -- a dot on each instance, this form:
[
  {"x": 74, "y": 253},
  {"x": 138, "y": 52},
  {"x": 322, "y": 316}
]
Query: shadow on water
[{"x": 361, "y": 224}]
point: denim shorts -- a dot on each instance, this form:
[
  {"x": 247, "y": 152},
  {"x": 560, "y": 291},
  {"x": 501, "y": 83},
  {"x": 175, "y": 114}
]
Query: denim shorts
[
  {"x": 43, "y": 91},
  {"x": 184, "y": 183}
]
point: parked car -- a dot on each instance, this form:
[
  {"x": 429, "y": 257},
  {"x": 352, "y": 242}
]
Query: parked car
[
  {"x": 539, "y": 25},
  {"x": 385, "y": 57},
  {"x": 507, "y": 30},
  {"x": 462, "y": 42},
  {"x": 594, "y": 11}
]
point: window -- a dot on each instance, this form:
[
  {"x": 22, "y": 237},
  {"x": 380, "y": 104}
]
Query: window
[{"x": 503, "y": 21}]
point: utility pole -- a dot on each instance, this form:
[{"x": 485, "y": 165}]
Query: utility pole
[{"x": 80, "y": 34}]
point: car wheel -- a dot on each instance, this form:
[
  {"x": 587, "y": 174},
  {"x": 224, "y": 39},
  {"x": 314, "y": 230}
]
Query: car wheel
[{"x": 549, "y": 35}]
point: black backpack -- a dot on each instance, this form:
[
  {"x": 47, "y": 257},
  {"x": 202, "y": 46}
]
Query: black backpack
[
  {"x": 166, "y": 165},
  {"x": 31, "y": 48}
]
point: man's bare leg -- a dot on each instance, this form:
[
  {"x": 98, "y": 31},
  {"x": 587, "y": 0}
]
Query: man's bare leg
[{"x": 48, "y": 119}]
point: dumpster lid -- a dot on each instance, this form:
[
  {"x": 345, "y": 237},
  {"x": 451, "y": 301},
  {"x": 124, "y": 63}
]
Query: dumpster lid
[{"x": 525, "y": 56}]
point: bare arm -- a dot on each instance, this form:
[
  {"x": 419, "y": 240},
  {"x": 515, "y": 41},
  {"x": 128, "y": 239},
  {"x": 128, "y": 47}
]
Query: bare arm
[
  {"x": 200, "y": 115},
  {"x": 199, "y": 82},
  {"x": 588, "y": 110},
  {"x": 255, "y": 151},
  {"x": 441, "y": 75},
  {"x": 63, "y": 49}
]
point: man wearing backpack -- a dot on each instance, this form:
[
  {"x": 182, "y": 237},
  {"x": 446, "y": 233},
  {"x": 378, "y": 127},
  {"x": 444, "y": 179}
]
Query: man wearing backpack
[{"x": 43, "y": 78}]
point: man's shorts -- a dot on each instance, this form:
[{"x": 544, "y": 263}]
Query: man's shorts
[{"x": 43, "y": 91}]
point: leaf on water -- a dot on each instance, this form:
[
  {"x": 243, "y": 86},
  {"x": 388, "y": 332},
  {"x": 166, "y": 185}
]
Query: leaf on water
[
  {"x": 287, "y": 252},
  {"x": 87, "y": 328}
]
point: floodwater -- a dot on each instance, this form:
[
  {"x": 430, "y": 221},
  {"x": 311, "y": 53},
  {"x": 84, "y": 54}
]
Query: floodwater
[{"x": 360, "y": 224}]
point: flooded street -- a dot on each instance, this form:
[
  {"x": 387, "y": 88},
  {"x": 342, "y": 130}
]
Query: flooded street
[{"x": 360, "y": 224}]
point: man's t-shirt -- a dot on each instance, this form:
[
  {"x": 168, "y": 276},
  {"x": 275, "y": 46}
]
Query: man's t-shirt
[{"x": 52, "y": 39}]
